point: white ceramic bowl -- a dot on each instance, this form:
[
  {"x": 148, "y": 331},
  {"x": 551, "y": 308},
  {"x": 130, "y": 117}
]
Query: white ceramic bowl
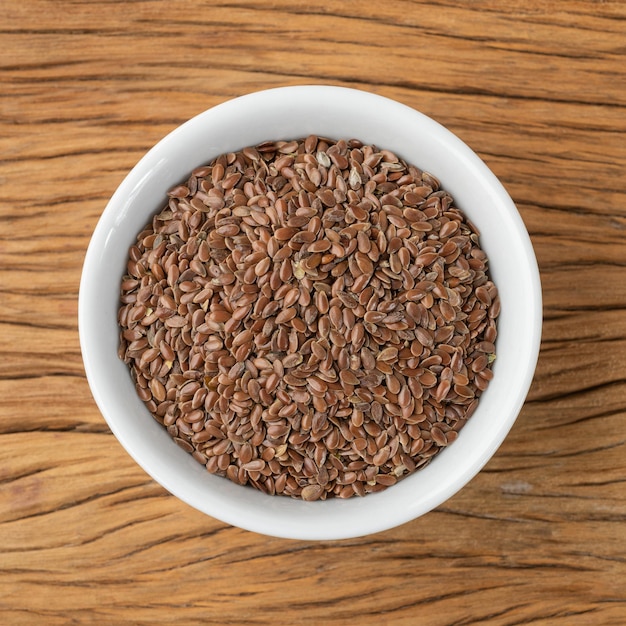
[{"x": 288, "y": 113}]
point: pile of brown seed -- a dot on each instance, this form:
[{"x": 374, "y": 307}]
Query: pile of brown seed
[{"x": 313, "y": 318}]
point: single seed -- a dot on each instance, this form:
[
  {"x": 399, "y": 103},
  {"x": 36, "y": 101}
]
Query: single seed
[
  {"x": 254, "y": 466},
  {"x": 312, "y": 492}
]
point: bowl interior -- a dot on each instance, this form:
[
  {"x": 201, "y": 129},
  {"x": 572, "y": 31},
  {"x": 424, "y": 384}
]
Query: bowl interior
[{"x": 289, "y": 113}]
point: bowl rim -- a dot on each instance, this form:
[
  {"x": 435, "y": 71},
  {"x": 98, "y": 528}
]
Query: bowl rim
[{"x": 313, "y": 528}]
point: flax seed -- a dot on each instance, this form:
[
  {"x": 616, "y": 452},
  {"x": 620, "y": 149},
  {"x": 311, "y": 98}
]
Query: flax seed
[{"x": 316, "y": 295}]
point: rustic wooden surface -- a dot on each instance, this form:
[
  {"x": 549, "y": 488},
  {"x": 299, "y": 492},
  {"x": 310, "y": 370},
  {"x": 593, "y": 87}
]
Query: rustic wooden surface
[{"x": 537, "y": 88}]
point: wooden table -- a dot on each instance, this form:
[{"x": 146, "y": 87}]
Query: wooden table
[{"x": 538, "y": 89}]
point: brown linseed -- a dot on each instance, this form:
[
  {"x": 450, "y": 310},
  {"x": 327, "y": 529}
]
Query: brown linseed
[{"x": 313, "y": 318}]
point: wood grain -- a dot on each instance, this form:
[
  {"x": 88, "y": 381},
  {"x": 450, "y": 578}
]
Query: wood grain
[{"x": 538, "y": 89}]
